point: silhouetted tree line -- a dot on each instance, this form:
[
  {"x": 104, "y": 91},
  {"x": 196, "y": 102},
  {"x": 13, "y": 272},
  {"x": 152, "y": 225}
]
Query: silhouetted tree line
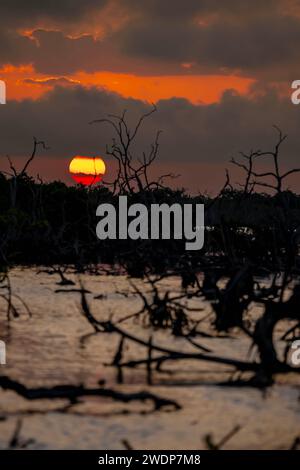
[{"x": 50, "y": 223}]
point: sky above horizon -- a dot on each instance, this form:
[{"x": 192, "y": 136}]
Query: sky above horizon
[{"x": 220, "y": 74}]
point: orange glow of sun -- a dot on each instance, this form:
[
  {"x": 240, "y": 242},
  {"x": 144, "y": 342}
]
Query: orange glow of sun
[{"x": 87, "y": 170}]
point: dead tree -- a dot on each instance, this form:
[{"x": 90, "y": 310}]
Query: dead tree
[
  {"x": 254, "y": 178},
  {"x": 249, "y": 184},
  {"x": 132, "y": 172},
  {"x": 9, "y": 297},
  {"x": 16, "y": 176}
]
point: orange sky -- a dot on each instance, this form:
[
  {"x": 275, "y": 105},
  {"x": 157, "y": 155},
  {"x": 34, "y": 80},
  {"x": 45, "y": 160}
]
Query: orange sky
[{"x": 23, "y": 82}]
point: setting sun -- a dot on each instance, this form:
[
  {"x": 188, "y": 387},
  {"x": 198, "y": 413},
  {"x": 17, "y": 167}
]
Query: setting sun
[{"x": 87, "y": 170}]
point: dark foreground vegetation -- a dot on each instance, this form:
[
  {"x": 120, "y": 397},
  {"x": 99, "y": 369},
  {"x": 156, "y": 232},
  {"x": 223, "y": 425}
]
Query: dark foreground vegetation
[
  {"x": 50, "y": 223},
  {"x": 250, "y": 237}
]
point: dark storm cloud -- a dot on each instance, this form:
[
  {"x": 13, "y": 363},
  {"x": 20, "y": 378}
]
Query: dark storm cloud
[
  {"x": 15, "y": 49},
  {"x": 249, "y": 37},
  {"x": 252, "y": 38},
  {"x": 164, "y": 9},
  {"x": 179, "y": 9},
  {"x": 204, "y": 134},
  {"x": 26, "y": 13},
  {"x": 52, "y": 51},
  {"x": 61, "y": 117},
  {"x": 254, "y": 45}
]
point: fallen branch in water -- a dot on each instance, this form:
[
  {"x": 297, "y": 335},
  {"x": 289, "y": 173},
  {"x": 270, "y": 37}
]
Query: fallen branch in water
[
  {"x": 58, "y": 291},
  {"x": 16, "y": 442},
  {"x": 12, "y": 311},
  {"x": 259, "y": 380},
  {"x": 211, "y": 445},
  {"x": 109, "y": 327},
  {"x": 73, "y": 393}
]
